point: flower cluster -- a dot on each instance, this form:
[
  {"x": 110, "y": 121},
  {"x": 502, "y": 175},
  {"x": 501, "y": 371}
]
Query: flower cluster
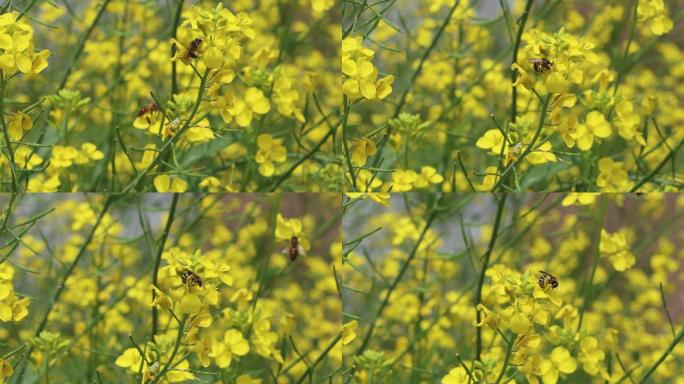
[
  {"x": 17, "y": 50},
  {"x": 190, "y": 109},
  {"x": 217, "y": 296},
  {"x": 543, "y": 103},
  {"x": 552, "y": 293}
]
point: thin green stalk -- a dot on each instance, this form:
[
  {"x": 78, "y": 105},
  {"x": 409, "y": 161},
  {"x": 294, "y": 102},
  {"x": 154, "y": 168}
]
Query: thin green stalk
[
  {"x": 176, "y": 346},
  {"x": 345, "y": 143},
  {"x": 597, "y": 242},
  {"x": 528, "y": 150},
  {"x": 657, "y": 169},
  {"x": 82, "y": 43},
  {"x": 404, "y": 268},
  {"x": 485, "y": 265},
  {"x": 26, "y": 10},
  {"x": 304, "y": 158},
  {"x": 507, "y": 359},
  {"x": 667, "y": 310},
  {"x": 157, "y": 262},
  {"x": 319, "y": 359},
  {"x": 5, "y": 133},
  {"x": 166, "y": 147},
  {"x": 516, "y": 47},
  {"x": 621, "y": 71},
  {"x": 662, "y": 358},
  {"x": 465, "y": 173},
  {"x": 423, "y": 59},
  {"x": 174, "y": 69},
  {"x": 62, "y": 284}
]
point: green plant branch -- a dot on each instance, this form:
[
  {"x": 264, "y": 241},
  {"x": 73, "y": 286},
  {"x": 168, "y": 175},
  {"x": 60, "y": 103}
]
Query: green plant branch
[
  {"x": 157, "y": 262},
  {"x": 431, "y": 217},
  {"x": 423, "y": 59},
  {"x": 319, "y": 359},
  {"x": 82, "y": 43},
  {"x": 62, "y": 284},
  {"x": 597, "y": 256},
  {"x": 5, "y": 134},
  {"x": 662, "y": 357},
  {"x": 485, "y": 265},
  {"x": 514, "y": 73}
]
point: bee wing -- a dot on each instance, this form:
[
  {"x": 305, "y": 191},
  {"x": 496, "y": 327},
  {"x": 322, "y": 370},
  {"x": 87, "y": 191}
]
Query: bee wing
[{"x": 301, "y": 250}]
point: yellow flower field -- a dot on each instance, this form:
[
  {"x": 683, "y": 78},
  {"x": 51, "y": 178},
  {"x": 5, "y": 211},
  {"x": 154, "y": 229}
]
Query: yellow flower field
[
  {"x": 162, "y": 288},
  {"x": 522, "y": 95},
  {"x": 517, "y": 288},
  {"x": 169, "y": 96},
  {"x": 341, "y": 191}
]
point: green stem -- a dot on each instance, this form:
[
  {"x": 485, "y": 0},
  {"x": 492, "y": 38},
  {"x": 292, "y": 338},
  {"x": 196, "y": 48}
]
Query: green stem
[
  {"x": 5, "y": 133},
  {"x": 404, "y": 267},
  {"x": 662, "y": 358},
  {"x": 423, "y": 59},
  {"x": 621, "y": 71},
  {"x": 345, "y": 143},
  {"x": 166, "y": 147},
  {"x": 176, "y": 346},
  {"x": 509, "y": 349},
  {"x": 157, "y": 262},
  {"x": 530, "y": 147},
  {"x": 81, "y": 45},
  {"x": 657, "y": 169},
  {"x": 319, "y": 359},
  {"x": 304, "y": 158},
  {"x": 597, "y": 255},
  {"x": 176, "y": 22},
  {"x": 485, "y": 264},
  {"x": 516, "y": 47},
  {"x": 62, "y": 284}
]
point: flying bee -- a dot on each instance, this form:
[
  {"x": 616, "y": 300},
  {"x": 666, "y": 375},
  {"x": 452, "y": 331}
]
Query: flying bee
[
  {"x": 190, "y": 278},
  {"x": 541, "y": 65},
  {"x": 193, "y": 49},
  {"x": 546, "y": 279},
  {"x": 147, "y": 110},
  {"x": 294, "y": 248}
]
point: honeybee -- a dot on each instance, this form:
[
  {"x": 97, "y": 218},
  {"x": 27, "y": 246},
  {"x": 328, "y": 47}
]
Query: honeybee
[
  {"x": 546, "y": 279},
  {"x": 294, "y": 248},
  {"x": 190, "y": 278},
  {"x": 193, "y": 49},
  {"x": 147, "y": 110},
  {"x": 541, "y": 65}
]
